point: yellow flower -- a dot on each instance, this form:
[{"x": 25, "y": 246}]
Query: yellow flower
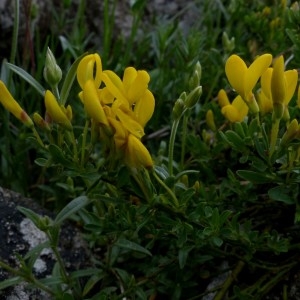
[
  {"x": 243, "y": 79},
  {"x": 13, "y": 106},
  {"x": 89, "y": 68},
  {"x": 291, "y": 132},
  {"x": 124, "y": 106},
  {"x": 55, "y": 112},
  {"x": 264, "y": 100},
  {"x": 278, "y": 86},
  {"x": 132, "y": 102},
  {"x": 136, "y": 154},
  {"x": 132, "y": 91},
  {"x": 234, "y": 112},
  {"x": 92, "y": 103}
]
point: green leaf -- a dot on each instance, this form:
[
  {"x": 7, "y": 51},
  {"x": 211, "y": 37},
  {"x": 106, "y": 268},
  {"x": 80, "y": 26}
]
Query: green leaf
[
  {"x": 161, "y": 172},
  {"x": 255, "y": 177},
  {"x": 217, "y": 241},
  {"x": 90, "y": 284},
  {"x": 10, "y": 282},
  {"x": 281, "y": 193},
  {"x": 26, "y": 76},
  {"x": 183, "y": 254},
  {"x": 58, "y": 156},
  {"x": 69, "y": 79},
  {"x": 126, "y": 244},
  {"x": 235, "y": 139},
  {"x": 72, "y": 207},
  {"x": 42, "y": 162},
  {"x": 34, "y": 217},
  {"x": 238, "y": 128}
]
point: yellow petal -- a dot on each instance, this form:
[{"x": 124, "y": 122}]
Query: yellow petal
[
  {"x": 89, "y": 68},
  {"x": 235, "y": 69},
  {"x": 254, "y": 72},
  {"x": 130, "y": 124},
  {"x": 144, "y": 108},
  {"x": 278, "y": 82},
  {"x": 230, "y": 113},
  {"x": 13, "y": 106},
  {"x": 265, "y": 82},
  {"x": 92, "y": 104},
  {"x": 120, "y": 133},
  {"x": 291, "y": 77},
  {"x": 265, "y": 103},
  {"x": 222, "y": 98},
  {"x": 137, "y": 155},
  {"x": 55, "y": 112},
  {"x": 298, "y": 97},
  {"x": 138, "y": 87},
  {"x": 114, "y": 85},
  {"x": 241, "y": 107},
  {"x": 129, "y": 76}
]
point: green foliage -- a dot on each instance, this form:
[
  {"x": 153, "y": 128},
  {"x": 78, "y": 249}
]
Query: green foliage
[{"x": 216, "y": 196}]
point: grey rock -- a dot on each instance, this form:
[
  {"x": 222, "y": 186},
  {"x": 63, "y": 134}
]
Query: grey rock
[{"x": 18, "y": 235}]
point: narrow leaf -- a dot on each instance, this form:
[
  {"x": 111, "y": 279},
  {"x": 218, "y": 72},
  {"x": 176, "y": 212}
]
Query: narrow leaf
[
  {"x": 9, "y": 282},
  {"x": 255, "y": 177},
  {"x": 71, "y": 208},
  {"x": 281, "y": 193},
  {"x": 123, "y": 243},
  {"x": 26, "y": 76},
  {"x": 69, "y": 79}
]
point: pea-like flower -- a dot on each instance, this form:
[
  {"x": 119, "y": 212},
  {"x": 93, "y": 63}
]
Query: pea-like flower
[
  {"x": 278, "y": 87},
  {"x": 244, "y": 79},
  {"x": 235, "y": 111},
  {"x": 13, "y": 106},
  {"x": 55, "y": 112},
  {"x": 121, "y": 107}
]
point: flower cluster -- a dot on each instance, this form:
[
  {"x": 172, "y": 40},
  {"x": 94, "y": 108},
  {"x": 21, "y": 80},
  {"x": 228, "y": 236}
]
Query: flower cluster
[
  {"x": 120, "y": 107},
  {"x": 277, "y": 87}
]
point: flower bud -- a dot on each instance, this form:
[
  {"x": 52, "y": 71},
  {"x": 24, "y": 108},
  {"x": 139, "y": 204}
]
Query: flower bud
[
  {"x": 178, "y": 108},
  {"x": 52, "y": 72},
  {"x": 290, "y": 133},
  {"x": 278, "y": 84},
  {"x": 40, "y": 122},
  {"x": 228, "y": 44},
  {"x": 137, "y": 155},
  {"x": 55, "y": 112},
  {"x": 210, "y": 120},
  {"x": 194, "y": 80},
  {"x": 193, "y": 97},
  {"x": 13, "y": 106}
]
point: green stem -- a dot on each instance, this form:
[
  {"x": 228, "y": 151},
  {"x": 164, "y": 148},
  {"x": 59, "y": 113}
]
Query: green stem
[
  {"x": 140, "y": 181},
  {"x": 231, "y": 277},
  {"x": 84, "y": 136},
  {"x": 56, "y": 93},
  {"x": 274, "y": 134},
  {"x": 171, "y": 145},
  {"x": 37, "y": 136},
  {"x": 170, "y": 192},
  {"x": 30, "y": 279},
  {"x": 60, "y": 262},
  {"x": 14, "y": 43},
  {"x": 75, "y": 151},
  {"x": 184, "y": 135}
]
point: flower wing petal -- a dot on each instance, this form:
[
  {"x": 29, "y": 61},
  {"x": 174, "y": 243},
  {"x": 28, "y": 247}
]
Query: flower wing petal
[
  {"x": 256, "y": 69},
  {"x": 144, "y": 108},
  {"x": 235, "y": 69}
]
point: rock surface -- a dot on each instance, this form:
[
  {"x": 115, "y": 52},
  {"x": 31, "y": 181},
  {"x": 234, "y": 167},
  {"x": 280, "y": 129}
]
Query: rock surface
[{"x": 18, "y": 235}]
